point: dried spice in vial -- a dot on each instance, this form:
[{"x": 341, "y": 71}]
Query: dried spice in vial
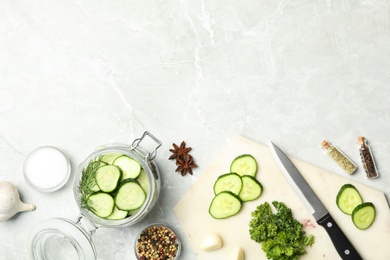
[
  {"x": 340, "y": 158},
  {"x": 367, "y": 159}
]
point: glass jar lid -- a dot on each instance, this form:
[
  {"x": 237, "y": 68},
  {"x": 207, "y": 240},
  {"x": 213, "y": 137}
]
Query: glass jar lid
[{"x": 60, "y": 239}]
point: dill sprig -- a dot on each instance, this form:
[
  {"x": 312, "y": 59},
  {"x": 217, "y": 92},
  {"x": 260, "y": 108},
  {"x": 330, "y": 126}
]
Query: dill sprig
[{"x": 87, "y": 184}]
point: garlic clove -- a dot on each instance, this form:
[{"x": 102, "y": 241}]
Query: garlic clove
[
  {"x": 236, "y": 253},
  {"x": 10, "y": 202},
  {"x": 211, "y": 241}
]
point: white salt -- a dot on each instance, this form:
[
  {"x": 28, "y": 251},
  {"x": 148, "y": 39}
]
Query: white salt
[{"x": 46, "y": 168}]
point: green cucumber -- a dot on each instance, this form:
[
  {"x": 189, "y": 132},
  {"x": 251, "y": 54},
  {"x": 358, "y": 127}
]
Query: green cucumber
[
  {"x": 117, "y": 214},
  {"x": 251, "y": 188},
  {"x": 109, "y": 158},
  {"x": 244, "y": 164},
  {"x": 143, "y": 180},
  {"x": 100, "y": 203},
  {"x": 225, "y": 204},
  {"x": 363, "y": 215},
  {"x": 228, "y": 182},
  {"x": 130, "y": 196},
  {"x": 130, "y": 167},
  {"x": 348, "y": 198},
  {"x": 107, "y": 177}
]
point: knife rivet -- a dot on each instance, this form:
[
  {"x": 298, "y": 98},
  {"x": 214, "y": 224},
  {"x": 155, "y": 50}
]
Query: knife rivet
[
  {"x": 329, "y": 224},
  {"x": 347, "y": 252}
]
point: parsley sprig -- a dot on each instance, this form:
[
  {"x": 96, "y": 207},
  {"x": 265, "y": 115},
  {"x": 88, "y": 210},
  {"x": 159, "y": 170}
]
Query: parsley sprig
[{"x": 281, "y": 236}]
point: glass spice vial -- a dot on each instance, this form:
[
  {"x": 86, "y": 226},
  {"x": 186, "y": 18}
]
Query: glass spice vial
[
  {"x": 368, "y": 161},
  {"x": 339, "y": 157}
]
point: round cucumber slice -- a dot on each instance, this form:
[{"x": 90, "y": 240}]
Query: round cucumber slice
[
  {"x": 130, "y": 167},
  {"x": 110, "y": 157},
  {"x": 100, "y": 203},
  {"x": 228, "y": 182},
  {"x": 130, "y": 196},
  {"x": 224, "y": 205},
  {"x": 251, "y": 188},
  {"x": 364, "y": 215},
  {"x": 348, "y": 198},
  {"x": 107, "y": 177},
  {"x": 117, "y": 214},
  {"x": 244, "y": 164}
]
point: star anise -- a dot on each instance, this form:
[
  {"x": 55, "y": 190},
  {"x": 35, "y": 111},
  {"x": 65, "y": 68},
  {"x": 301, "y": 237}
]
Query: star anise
[
  {"x": 179, "y": 151},
  {"x": 185, "y": 164}
]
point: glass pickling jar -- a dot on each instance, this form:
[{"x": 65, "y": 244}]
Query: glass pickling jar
[{"x": 63, "y": 239}]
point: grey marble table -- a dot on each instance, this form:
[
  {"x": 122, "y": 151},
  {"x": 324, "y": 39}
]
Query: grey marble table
[{"x": 79, "y": 74}]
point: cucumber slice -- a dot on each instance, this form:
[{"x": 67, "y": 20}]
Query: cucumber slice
[
  {"x": 107, "y": 177},
  {"x": 117, "y": 214},
  {"x": 110, "y": 157},
  {"x": 251, "y": 188},
  {"x": 132, "y": 212},
  {"x": 130, "y": 196},
  {"x": 100, "y": 203},
  {"x": 244, "y": 164},
  {"x": 228, "y": 182},
  {"x": 94, "y": 188},
  {"x": 130, "y": 167},
  {"x": 143, "y": 180},
  {"x": 348, "y": 198},
  {"x": 363, "y": 215},
  {"x": 225, "y": 204}
]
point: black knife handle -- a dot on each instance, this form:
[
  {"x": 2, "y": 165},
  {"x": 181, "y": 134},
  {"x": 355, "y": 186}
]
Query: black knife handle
[{"x": 339, "y": 240}]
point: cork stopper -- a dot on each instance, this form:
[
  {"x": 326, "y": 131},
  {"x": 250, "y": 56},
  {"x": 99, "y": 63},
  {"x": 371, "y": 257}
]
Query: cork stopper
[
  {"x": 325, "y": 144},
  {"x": 360, "y": 139}
]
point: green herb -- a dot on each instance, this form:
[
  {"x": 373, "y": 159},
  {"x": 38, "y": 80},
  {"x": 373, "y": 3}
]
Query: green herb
[
  {"x": 88, "y": 182},
  {"x": 281, "y": 236}
]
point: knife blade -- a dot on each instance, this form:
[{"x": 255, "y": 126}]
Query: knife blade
[{"x": 314, "y": 205}]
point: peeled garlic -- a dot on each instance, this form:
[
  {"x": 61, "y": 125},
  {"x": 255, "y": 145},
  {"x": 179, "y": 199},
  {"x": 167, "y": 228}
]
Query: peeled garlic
[
  {"x": 236, "y": 254},
  {"x": 10, "y": 202},
  {"x": 211, "y": 241}
]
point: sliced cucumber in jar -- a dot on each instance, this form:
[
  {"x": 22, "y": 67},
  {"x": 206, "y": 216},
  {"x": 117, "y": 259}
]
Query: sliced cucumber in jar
[
  {"x": 143, "y": 180},
  {"x": 363, "y": 215},
  {"x": 100, "y": 203},
  {"x": 110, "y": 157},
  {"x": 107, "y": 177},
  {"x": 117, "y": 214},
  {"x": 225, "y": 204},
  {"x": 244, "y": 164},
  {"x": 251, "y": 188},
  {"x": 130, "y": 196},
  {"x": 348, "y": 198},
  {"x": 131, "y": 169},
  {"x": 228, "y": 182}
]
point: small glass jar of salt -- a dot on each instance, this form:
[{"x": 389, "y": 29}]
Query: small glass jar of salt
[{"x": 46, "y": 169}]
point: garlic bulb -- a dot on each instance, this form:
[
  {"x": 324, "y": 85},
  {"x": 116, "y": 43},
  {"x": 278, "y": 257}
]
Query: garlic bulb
[{"x": 10, "y": 202}]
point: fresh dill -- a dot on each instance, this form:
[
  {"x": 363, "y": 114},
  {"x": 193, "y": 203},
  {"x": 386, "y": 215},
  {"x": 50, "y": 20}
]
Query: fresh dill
[{"x": 87, "y": 184}]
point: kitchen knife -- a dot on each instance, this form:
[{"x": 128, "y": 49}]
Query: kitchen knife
[{"x": 344, "y": 248}]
